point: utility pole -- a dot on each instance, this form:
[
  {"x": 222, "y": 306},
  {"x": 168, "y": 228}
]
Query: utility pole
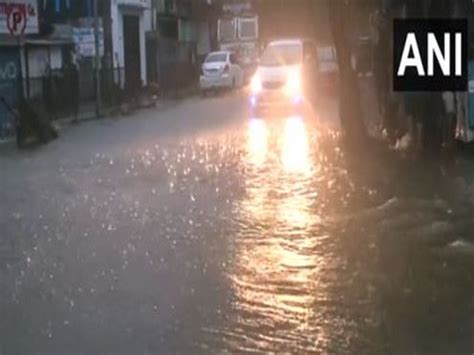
[{"x": 97, "y": 58}]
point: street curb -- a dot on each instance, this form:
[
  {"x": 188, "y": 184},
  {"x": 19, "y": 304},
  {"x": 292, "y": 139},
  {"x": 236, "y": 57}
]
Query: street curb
[{"x": 109, "y": 112}]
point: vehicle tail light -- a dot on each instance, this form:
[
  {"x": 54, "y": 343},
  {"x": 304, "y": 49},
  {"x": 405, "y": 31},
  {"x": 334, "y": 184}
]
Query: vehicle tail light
[{"x": 226, "y": 68}]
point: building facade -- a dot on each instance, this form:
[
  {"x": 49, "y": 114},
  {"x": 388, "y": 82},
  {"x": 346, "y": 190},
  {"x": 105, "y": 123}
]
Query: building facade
[
  {"x": 129, "y": 20},
  {"x": 180, "y": 36}
]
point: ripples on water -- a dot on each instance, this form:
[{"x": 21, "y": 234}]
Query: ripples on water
[
  {"x": 304, "y": 279},
  {"x": 285, "y": 260},
  {"x": 271, "y": 242}
]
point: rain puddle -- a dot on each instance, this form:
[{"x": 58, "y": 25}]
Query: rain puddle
[{"x": 276, "y": 241}]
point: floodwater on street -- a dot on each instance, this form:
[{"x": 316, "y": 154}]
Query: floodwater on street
[{"x": 194, "y": 229}]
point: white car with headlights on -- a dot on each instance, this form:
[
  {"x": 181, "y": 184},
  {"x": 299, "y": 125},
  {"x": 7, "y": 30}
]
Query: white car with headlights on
[
  {"x": 220, "y": 70},
  {"x": 284, "y": 83}
]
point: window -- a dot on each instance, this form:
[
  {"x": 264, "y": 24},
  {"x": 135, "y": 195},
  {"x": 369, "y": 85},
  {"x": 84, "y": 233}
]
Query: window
[
  {"x": 165, "y": 6},
  {"x": 187, "y": 31},
  {"x": 226, "y": 30},
  {"x": 326, "y": 54},
  {"x": 170, "y": 6},
  {"x": 248, "y": 28},
  {"x": 281, "y": 54},
  {"x": 216, "y": 58},
  {"x": 159, "y": 6}
]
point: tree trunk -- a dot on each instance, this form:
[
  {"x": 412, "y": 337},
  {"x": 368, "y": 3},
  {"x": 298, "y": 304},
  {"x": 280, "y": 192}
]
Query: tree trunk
[{"x": 350, "y": 110}]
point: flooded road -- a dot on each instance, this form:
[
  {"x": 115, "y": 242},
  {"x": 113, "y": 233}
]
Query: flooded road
[{"x": 229, "y": 235}]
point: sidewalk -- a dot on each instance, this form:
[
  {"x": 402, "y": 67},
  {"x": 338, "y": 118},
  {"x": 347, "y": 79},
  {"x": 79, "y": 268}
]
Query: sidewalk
[{"x": 87, "y": 111}]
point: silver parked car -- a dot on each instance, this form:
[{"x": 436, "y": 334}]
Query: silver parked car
[{"x": 221, "y": 70}]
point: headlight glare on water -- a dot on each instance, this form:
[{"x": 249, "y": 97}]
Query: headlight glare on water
[
  {"x": 293, "y": 83},
  {"x": 256, "y": 84}
]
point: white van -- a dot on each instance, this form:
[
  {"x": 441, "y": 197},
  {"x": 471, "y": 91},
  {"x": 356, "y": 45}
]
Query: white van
[{"x": 284, "y": 82}]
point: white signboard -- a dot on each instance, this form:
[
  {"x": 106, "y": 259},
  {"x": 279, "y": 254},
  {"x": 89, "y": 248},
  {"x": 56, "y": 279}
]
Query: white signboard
[
  {"x": 84, "y": 39},
  {"x": 18, "y": 17},
  {"x": 136, "y": 3},
  {"x": 237, "y": 8}
]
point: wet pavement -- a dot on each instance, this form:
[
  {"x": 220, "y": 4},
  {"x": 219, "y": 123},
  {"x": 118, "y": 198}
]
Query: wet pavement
[{"x": 192, "y": 229}]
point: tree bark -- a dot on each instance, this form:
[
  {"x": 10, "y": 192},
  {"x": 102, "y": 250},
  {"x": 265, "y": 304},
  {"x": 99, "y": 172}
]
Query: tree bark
[{"x": 350, "y": 110}]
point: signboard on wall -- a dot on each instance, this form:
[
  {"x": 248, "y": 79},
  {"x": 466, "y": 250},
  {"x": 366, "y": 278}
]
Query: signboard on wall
[
  {"x": 137, "y": 3},
  {"x": 84, "y": 40},
  {"x": 237, "y": 7},
  {"x": 19, "y": 17}
]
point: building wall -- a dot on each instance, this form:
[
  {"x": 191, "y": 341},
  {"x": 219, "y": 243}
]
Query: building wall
[
  {"x": 128, "y": 7},
  {"x": 204, "y": 39},
  {"x": 277, "y": 19}
]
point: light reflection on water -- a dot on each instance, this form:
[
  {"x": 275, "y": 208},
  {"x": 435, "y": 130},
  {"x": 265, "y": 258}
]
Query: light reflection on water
[
  {"x": 295, "y": 146},
  {"x": 312, "y": 251},
  {"x": 276, "y": 265},
  {"x": 257, "y": 141},
  {"x": 280, "y": 246}
]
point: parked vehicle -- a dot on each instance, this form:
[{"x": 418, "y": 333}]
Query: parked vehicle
[
  {"x": 221, "y": 70},
  {"x": 284, "y": 83}
]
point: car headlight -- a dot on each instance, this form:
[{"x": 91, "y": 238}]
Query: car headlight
[
  {"x": 256, "y": 84},
  {"x": 293, "y": 84}
]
